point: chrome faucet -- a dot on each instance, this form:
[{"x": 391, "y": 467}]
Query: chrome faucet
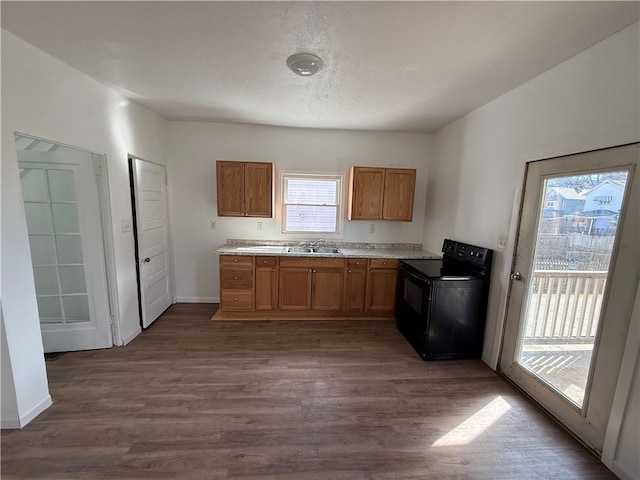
[{"x": 316, "y": 243}]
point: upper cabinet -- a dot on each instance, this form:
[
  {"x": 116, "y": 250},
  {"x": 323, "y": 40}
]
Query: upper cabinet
[
  {"x": 381, "y": 193},
  {"x": 245, "y": 189}
]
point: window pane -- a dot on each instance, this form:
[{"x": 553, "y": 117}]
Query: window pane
[
  {"x": 61, "y": 186},
  {"x": 43, "y": 250},
  {"x": 34, "y": 185},
  {"x": 306, "y": 218},
  {"x": 575, "y": 239},
  {"x": 311, "y": 191},
  {"x": 38, "y": 217},
  {"x": 65, "y": 218}
]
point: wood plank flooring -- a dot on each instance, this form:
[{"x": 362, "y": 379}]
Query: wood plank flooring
[{"x": 308, "y": 400}]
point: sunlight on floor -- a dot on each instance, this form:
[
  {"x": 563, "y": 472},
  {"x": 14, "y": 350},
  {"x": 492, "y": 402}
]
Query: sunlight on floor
[{"x": 472, "y": 427}]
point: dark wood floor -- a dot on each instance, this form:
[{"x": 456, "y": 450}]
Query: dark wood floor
[{"x": 195, "y": 399}]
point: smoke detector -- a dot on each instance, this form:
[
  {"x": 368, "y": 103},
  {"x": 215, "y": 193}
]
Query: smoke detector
[{"x": 304, "y": 64}]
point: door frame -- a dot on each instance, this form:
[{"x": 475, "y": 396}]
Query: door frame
[
  {"x": 510, "y": 261},
  {"x": 134, "y": 211},
  {"x": 104, "y": 201}
]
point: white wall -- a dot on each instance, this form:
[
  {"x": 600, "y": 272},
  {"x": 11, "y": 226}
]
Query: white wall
[
  {"x": 588, "y": 102},
  {"x": 195, "y": 147},
  {"x": 46, "y": 98}
]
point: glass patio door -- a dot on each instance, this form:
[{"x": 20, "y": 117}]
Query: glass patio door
[{"x": 573, "y": 285}]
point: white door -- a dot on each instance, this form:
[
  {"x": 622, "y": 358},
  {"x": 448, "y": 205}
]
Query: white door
[
  {"x": 152, "y": 232},
  {"x": 62, "y": 208},
  {"x": 573, "y": 285}
]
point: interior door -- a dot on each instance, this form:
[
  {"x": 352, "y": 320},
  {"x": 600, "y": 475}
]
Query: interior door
[
  {"x": 62, "y": 209},
  {"x": 574, "y": 279},
  {"x": 152, "y": 239}
]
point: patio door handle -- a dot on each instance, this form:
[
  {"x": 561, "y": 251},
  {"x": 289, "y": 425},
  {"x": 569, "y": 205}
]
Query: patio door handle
[{"x": 515, "y": 276}]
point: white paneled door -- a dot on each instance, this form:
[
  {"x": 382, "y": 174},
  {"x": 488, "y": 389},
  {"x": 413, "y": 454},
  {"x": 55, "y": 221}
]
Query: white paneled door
[
  {"x": 152, "y": 233},
  {"x": 574, "y": 280},
  {"x": 62, "y": 208}
]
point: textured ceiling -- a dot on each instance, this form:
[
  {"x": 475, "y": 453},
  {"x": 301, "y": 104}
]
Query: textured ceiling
[{"x": 398, "y": 66}]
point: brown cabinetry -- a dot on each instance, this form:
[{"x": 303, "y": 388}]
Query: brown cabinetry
[
  {"x": 266, "y": 291},
  {"x": 381, "y": 193},
  {"x": 355, "y": 285},
  {"x": 244, "y": 189},
  {"x": 236, "y": 282},
  {"x": 381, "y": 285},
  {"x": 308, "y": 287},
  {"x": 311, "y": 283}
]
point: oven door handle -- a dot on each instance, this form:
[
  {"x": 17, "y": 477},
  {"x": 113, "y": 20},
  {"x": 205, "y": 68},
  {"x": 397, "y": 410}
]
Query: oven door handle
[{"x": 415, "y": 277}]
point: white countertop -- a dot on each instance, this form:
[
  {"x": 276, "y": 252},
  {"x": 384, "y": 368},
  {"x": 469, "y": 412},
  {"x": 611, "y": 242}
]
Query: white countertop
[{"x": 399, "y": 251}]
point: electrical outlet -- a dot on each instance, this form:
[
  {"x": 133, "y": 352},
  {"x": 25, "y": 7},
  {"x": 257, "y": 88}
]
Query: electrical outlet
[
  {"x": 126, "y": 225},
  {"x": 212, "y": 224},
  {"x": 372, "y": 227},
  {"x": 502, "y": 243},
  {"x": 260, "y": 225}
]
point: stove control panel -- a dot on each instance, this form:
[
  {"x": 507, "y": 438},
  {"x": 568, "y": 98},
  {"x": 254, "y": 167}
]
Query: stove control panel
[{"x": 466, "y": 253}]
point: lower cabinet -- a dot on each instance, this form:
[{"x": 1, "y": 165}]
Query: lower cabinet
[
  {"x": 351, "y": 286},
  {"x": 326, "y": 288},
  {"x": 294, "y": 288},
  {"x": 266, "y": 291},
  {"x": 236, "y": 283},
  {"x": 310, "y": 283},
  {"x": 355, "y": 287},
  {"x": 381, "y": 285}
]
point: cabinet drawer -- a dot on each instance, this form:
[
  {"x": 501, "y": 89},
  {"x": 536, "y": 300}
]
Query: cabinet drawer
[
  {"x": 356, "y": 262},
  {"x": 383, "y": 263},
  {"x": 238, "y": 278},
  {"x": 236, "y": 300},
  {"x": 266, "y": 261},
  {"x": 236, "y": 260}
]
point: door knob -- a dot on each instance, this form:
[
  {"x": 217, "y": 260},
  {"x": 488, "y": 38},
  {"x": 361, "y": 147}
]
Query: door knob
[
  {"x": 147, "y": 260},
  {"x": 515, "y": 276}
]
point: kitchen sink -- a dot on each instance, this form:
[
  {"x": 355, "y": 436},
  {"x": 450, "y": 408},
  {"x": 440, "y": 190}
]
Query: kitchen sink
[{"x": 312, "y": 250}]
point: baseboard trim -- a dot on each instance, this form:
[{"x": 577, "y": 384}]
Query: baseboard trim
[
  {"x": 198, "y": 300},
  {"x": 131, "y": 336},
  {"x": 24, "y": 420}
]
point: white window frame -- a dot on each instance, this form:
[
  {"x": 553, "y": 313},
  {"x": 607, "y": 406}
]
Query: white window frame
[{"x": 337, "y": 177}]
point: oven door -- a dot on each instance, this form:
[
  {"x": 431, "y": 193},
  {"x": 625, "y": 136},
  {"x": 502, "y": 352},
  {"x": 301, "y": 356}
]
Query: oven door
[{"x": 412, "y": 301}]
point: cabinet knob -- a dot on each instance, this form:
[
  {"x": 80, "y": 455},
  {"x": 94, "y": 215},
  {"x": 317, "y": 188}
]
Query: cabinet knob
[
  {"x": 235, "y": 278},
  {"x": 273, "y": 269},
  {"x": 384, "y": 263},
  {"x": 235, "y": 260},
  {"x": 314, "y": 271},
  {"x": 349, "y": 271},
  {"x": 264, "y": 261},
  {"x": 235, "y": 299}
]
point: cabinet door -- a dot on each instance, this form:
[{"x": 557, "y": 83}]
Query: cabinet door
[
  {"x": 355, "y": 289},
  {"x": 399, "y": 188},
  {"x": 327, "y": 288},
  {"x": 230, "y": 188},
  {"x": 266, "y": 294},
  {"x": 381, "y": 289},
  {"x": 294, "y": 287},
  {"x": 366, "y": 193},
  {"x": 258, "y": 189}
]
